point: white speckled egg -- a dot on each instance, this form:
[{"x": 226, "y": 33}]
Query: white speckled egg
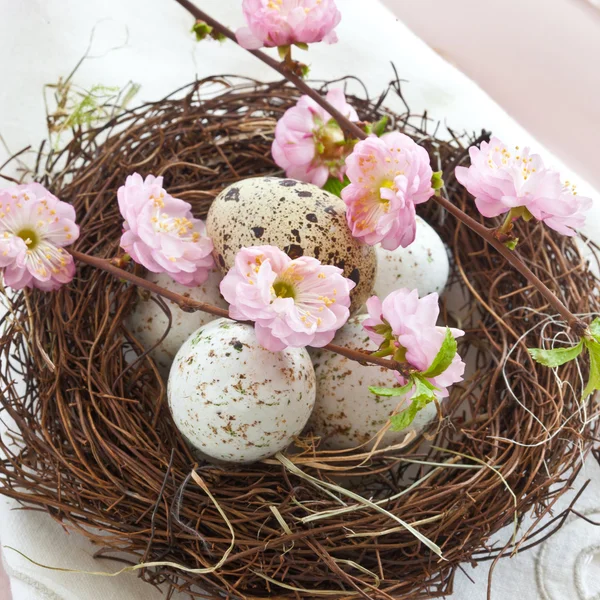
[
  {"x": 299, "y": 218},
  {"x": 346, "y": 413},
  {"x": 235, "y": 401},
  {"x": 423, "y": 265},
  {"x": 148, "y": 322}
]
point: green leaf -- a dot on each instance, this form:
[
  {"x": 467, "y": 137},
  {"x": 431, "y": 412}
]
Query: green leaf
[
  {"x": 403, "y": 419},
  {"x": 379, "y": 128},
  {"x": 335, "y": 186},
  {"x": 556, "y": 356},
  {"x": 444, "y": 357},
  {"x": 594, "y": 382},
  {"x": 595, "y": 329},
  {"x": 391, "y": 392},
  {"x": 512, "y": 244},
  {"x": 423, "y": 387}
]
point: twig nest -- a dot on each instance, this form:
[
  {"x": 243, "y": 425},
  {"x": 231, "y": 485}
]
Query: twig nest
[
  {"x": 346, "y": 413},
  {"x": 148, "y": 321},
  {"x": 423, "y": 266},
  {"x": 235, "y": 401},
  {"x": 299, "y": 218}
]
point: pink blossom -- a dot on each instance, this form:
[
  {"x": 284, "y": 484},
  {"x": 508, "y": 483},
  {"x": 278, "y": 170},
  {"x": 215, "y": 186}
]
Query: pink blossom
[
  {"x": 415, "y": 333},
  {"x": 309, "y": 144},
  {"x": 284, "y": 22},
  {"x": 503, "y": 179},
  {"x": 161, "y": 233},
  {"x": 294, "y": 303},
  {"x": 35, "y": 226},
  {"x": 388, "y": 177}
]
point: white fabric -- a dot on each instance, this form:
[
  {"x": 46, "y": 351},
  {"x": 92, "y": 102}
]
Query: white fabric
[{"x": 41, "y": 40}]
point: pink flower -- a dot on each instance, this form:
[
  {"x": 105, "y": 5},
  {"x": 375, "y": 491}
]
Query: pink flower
[
  {"x": 503, "y": 179},
  {"x": 161, "y": 233},
  {"x": 294, "y": 303},
  {"x": 35, "y": 226},
  {"x": 309, "y": 144},
  {"x": 284, "y": 22},
  {"x": 414, "y": 332},
  {"x": 388, "y": 177}
]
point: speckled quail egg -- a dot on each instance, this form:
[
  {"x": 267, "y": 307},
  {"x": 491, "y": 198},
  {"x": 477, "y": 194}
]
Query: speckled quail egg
[
  {"x": 346, "y": 413},
  {"x": 235, "y": 401},
  {"x": 299, "y": 218},
  {"x": 423, "y": 266},
  {"x": 148, "y": 322}
]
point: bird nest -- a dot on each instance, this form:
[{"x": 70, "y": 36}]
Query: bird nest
[{"x": 91, "y": 441}]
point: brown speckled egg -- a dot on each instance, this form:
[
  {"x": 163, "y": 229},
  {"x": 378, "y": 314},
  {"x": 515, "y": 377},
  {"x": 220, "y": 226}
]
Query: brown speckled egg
[
  {"x": 299, "y": 218},
  {"x": 235, "y": 401},
  {"x": 346, "y": 413}
]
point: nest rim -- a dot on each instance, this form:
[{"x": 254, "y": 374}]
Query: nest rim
[{"x": 99, "y": 451}]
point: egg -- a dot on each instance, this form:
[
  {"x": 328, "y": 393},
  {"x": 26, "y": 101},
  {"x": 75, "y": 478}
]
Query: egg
[
  {"x": 235, "y": 401},
  {"x": 346, "y": 413},
  {"x": 299, "y": 218},
  {"x": 423, "y": 266},
  {"x": 148, "y": 322}
]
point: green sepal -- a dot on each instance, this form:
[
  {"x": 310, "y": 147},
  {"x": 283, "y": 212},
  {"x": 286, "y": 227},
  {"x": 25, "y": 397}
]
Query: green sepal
[
  {"x": 379, "y": 128},
  {"x": 512, "y": 244},
  {"x": 384, "y": 351},
  {"x": 556, "y": 356},
  {"x": 301, "y": 45},
  {"x": 201, "y": 30},
  {"x": 437, "y": 181},
  {"x": 444, "y": 357},
  {"x": 283, "y": 51},
  {"x": 334, "y": 186}
]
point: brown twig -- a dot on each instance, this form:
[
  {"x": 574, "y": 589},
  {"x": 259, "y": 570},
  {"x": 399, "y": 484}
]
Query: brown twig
[
  {"x": 578, "y": 326},
  {"x": 190, "y": 305},
  {"x": 346, "y": 124}
]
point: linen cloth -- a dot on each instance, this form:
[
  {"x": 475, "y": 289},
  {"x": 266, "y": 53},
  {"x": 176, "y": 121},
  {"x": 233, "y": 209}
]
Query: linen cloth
[{"x": 158, "y": 52}]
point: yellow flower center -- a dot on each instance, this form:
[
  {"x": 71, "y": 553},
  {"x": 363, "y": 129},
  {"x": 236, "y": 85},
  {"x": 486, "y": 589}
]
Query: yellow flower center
[
  {"x": 284, "y": 289},
  {"x": 30, "y": 237},
  {"x": 386, "y": 183}
]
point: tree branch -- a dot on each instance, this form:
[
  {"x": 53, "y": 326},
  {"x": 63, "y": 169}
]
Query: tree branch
[
  {"x": 344, "y": 123},
  {"x": 578, "y": 326},
  {"x": 190, "y": 305}
]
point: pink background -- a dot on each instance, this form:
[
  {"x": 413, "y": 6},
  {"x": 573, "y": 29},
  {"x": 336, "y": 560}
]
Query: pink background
[{"x": 539, "y": 59}]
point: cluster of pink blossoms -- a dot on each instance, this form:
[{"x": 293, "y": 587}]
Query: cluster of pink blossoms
[
  {"x": 285, "y": 22},
  {"x": 294, "y": 303},
  {"x": 309, "y": 144},
  {"x": 389, "y": 176},
  {"x": 161, "y": 233},
  {"x": 414, "y": 332},
  {"x": 35, "y": 226},
  {"x": 503, "y": 179}
]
